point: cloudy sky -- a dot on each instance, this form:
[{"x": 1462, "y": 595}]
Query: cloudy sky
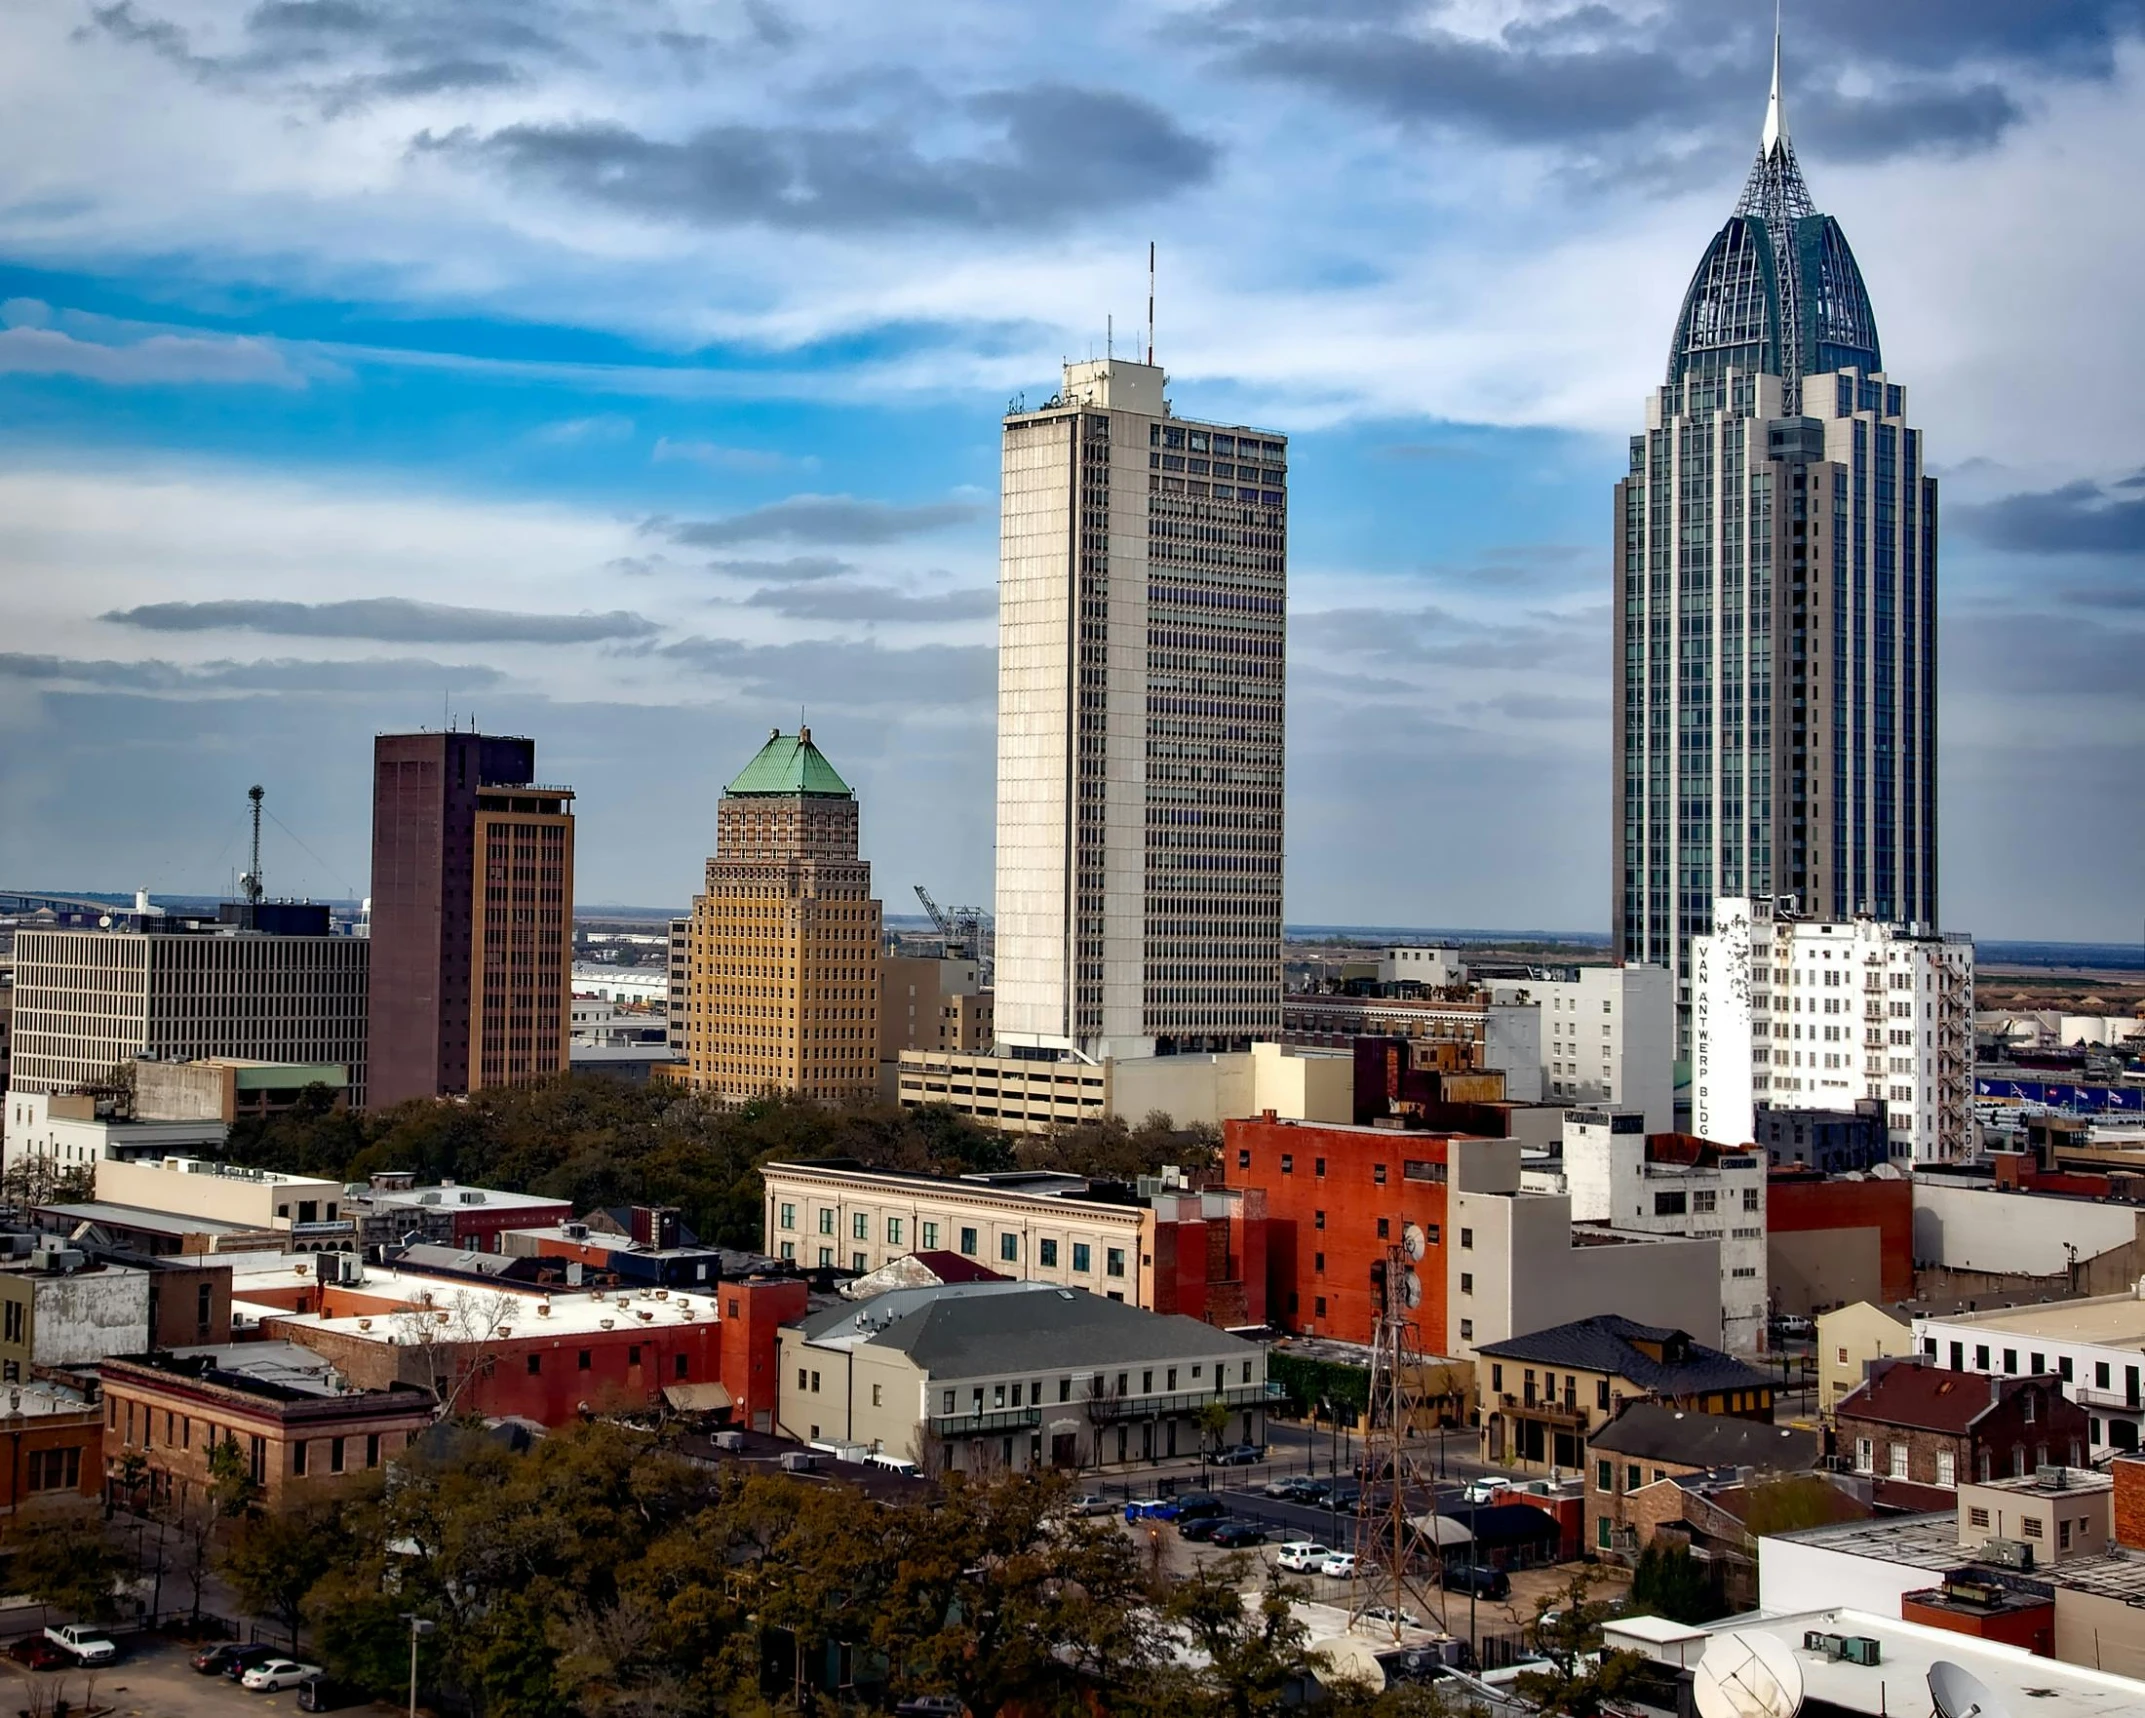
[{"x": 628, "y": 374}]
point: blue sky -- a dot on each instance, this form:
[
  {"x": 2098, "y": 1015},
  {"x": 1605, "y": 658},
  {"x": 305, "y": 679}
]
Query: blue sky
[{"x": 629, "y": 376}]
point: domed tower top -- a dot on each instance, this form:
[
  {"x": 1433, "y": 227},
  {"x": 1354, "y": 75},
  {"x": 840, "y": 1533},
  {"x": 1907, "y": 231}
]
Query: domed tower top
[{"x": 1778, "y": 291}]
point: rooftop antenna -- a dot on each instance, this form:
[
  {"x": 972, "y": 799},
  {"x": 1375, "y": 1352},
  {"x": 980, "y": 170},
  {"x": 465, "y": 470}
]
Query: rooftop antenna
[
  {"x": 250, "y": 884},
  {"x": 1109, "y": 338},
  {"x": 1150, "y": 301}
]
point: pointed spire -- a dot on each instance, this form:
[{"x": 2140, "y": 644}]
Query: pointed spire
[{"x": 1776, "y": 130}]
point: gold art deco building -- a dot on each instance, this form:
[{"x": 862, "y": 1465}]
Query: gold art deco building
[{"x": 783, "y": 947}]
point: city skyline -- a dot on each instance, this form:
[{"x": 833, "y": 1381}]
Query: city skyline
[{"x": 289, "y": 464}]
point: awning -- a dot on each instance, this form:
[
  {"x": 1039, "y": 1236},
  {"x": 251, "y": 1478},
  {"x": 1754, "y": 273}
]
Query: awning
[
  {"x": 1440, "y": 1529},
  {"x": 696, "y": 1398}
]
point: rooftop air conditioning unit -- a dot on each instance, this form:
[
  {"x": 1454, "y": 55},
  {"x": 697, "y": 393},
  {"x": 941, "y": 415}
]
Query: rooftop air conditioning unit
[
  {"x": 729, "y": 1440},
  {"x": 2006, "y": 1553},
  {"x": 1861, "y": 1649},
  {"x": 800, "y": 1461}
]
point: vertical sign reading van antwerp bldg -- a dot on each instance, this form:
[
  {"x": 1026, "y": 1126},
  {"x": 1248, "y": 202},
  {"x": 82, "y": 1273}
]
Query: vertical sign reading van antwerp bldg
[{"x": 1721, "y": 1027}]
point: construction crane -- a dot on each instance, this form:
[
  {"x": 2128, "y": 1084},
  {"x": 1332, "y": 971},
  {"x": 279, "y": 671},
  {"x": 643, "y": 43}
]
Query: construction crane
[{"x": 960, "y": 931}]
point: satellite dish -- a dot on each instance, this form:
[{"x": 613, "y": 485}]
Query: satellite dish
[
  {"x": 1353, "y": 1656},
  {"x": 1411, "y": 1289},
  {"x": 1959, "y": 1693},
  {"x": 1747, "y": 1676},
  {"x": 1411, "y": 1240}
]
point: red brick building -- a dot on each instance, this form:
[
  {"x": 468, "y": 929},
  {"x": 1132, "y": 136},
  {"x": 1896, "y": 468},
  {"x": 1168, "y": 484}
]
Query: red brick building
[
  {"x": 1919, "y": 1431},
  {"x": 1798, "y": 1202},
  {"x": 53, "y": 1446},
  {"x": 1336, "y": 1198},
  {"x": 502, "y": 1351}
]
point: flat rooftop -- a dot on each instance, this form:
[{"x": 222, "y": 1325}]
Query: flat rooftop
[
  {"x": 151, "y": 1222},
  {"x": 449, "y": 1197},
  {"x": 2024, "y": 1683},
  {"x": 2114, "y": 1321},
  {"x": 468, "y": 1312}
]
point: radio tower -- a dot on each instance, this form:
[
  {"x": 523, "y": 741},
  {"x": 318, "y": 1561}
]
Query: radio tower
[
  {"x": 1392, "y": 1577},
  {"x": 250, "y": 884}
]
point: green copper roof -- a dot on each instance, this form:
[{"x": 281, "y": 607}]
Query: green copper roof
[{"x": 790, "y": 763}]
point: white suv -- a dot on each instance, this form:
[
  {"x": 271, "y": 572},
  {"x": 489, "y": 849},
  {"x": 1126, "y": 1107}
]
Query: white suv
[{"x": 1303, "y": 1556}]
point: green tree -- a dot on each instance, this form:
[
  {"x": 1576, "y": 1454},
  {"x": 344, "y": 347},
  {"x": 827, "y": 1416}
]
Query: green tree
[
  {"x": 1254, "y": 1656},
  {"x": 274, "y": 1558},
  {"x": 1669, "y": 1582},
  {"x": 68, "y": 1559}
]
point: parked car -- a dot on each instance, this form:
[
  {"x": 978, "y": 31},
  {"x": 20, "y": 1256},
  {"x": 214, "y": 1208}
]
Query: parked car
[
  {"x": 1479, "y": 1579},
  {"x": 1346, "y": 1495},
  {"x": 212, "y": 1660},
  {"x": 1198, "y": 1527},
  {"x": 1149, "y": 1509},
  {"x": 930, "y": 1706},
  {"x": 1240, "y": 1455},
  {"x": 1294, "y": 1489},
  {"x": 38, "y": 1653},
  {"x": 1235, "y": 1535},
  {"x": 1484, "y": 1490},
  {"x": 241, "y": 1659},
  {"x": 1302, "y": 1556},
  {"x": 84, "y": 1642},
  {"x": 1198, "y": 1503},
  {"x": 1093, "y": 1503},
  {"x": 320, "y": 1694},
  {"x": 1339, "y": 1566},
  {"x": 277, "y": 1673}
]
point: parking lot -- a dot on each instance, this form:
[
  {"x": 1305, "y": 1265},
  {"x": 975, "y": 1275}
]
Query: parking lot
[{"x": 152, "y": 1679}]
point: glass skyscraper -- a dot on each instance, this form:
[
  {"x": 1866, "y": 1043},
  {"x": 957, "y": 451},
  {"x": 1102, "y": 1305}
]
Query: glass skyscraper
[{"x": 1775, "y": 702}]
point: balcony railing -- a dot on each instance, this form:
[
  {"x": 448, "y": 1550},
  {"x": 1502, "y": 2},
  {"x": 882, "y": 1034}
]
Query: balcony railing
[
  {"x": 1000, "y": 1420},
  {"x": 1106, "y": 1409},
  {"x": 1544, "y": 1408}
]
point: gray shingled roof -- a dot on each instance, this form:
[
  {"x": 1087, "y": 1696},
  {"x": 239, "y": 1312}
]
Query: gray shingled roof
[
  {"x": 1608, "y": 1343},
  {"x": 1654, "y": 1431},
  {"x": 971, "y": 1335}
]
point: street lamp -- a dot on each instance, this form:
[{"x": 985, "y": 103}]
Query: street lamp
[{"x": 419, "y": 1628}]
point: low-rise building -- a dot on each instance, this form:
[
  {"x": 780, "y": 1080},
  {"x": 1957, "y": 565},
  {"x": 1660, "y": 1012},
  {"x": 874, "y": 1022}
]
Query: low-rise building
[
  {"x": 1608, "y": 1036},
  {"x": 1920, "y": 1431},
  {"x": 308, "y": 1210},
  {"x": 288, "y": 1411},
  {"x": 1163, "y": 1247},
  {"x": 55, "y": 1445},
  {"x": 932, "y": 1004},
  {"x": 1502, "y": 1035},
  {"x": 1488, "y": 1260},
  {"x": 1548, "y": 1394},
  {"x": 1646, "y": 1183},
  {"x": 1019, "y": 1094},
  {"x": 59, "y": 1309},
  {"x": 226, "y": 1088},
  {"x": 2096, "y": 1347},
  {"x": 74, "y": 1131},
  {"x": 1828, "y": 1142},
  {"x": 1832, "y": 1240},
  {"x": 394, "y": 1207},
  {"x": 984, "y": 1377},
  {"x": 1633, "y": 1460},
  {"x": 1850, "y": 1339}
]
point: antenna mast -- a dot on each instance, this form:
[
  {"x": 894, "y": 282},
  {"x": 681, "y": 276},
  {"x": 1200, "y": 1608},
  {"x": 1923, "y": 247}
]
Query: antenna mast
[
  {"x": 250, "y": 884},
  {"x": 1396, "y": 1578},
  {"x": 1150, "y": 301}
]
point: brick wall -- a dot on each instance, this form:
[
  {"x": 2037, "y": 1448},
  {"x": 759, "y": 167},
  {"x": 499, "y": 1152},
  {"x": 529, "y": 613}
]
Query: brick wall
[
  {"x": 1801, "y": 1203},
  {"x": 2129, "y": 1475},
  {"x": 1364, "y": 1182}
]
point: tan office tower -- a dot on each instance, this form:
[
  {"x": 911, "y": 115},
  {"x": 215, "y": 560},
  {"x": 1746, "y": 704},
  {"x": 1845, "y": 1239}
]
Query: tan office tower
[
  {"x": 784, "y": 945},
  {"x": 521, "y": 936},
  {"x": 1142, "y": 597}
]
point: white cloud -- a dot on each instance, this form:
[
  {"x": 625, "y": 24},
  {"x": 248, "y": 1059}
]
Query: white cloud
[{"x": 161, "y": 359}]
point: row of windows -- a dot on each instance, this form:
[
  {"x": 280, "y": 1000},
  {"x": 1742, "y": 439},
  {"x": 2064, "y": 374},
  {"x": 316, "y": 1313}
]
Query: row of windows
[{"x": 1048, "y": 1250}]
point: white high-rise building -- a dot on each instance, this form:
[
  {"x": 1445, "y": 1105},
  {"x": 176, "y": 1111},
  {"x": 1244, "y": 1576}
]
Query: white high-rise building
[
  {"x": 1608, "y": 1037},
  {"x": 1142, "y": 596},
  {"x": 1799, "y": 1013}
]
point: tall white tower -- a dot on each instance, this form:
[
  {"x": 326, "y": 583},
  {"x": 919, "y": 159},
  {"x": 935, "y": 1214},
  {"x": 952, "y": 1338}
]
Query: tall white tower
[{"x": 1142, "y": 598}]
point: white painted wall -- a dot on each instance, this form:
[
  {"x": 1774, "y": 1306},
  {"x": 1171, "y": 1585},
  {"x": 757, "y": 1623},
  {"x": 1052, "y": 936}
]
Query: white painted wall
[
  {"x": 91, "y": 1316},
  {"x": 1794, "y": 1576},
  {"x": 1978, "y": 1228}
]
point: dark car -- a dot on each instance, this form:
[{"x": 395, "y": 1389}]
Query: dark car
[
  {"x": 39, "y": 1653},
  {"x": 1346, "y": 1495},
  {"x": 325, "y": 1694},
  {"x": 237, "y": 1660},
  {"x": 1295, "y": 1489},
  {"x": 1240, "y": 1455},
  {"x": 1193, "y": 1504},
  {"x": 1235, "y": 1535},
  {"x": 1199, "y": 1527},
  {"x": 930, "y": 1706},
  {"x": 1479, "y": 1579}
]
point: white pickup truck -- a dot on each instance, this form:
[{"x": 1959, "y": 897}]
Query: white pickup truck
[{"x": 85, "y": 1641}]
